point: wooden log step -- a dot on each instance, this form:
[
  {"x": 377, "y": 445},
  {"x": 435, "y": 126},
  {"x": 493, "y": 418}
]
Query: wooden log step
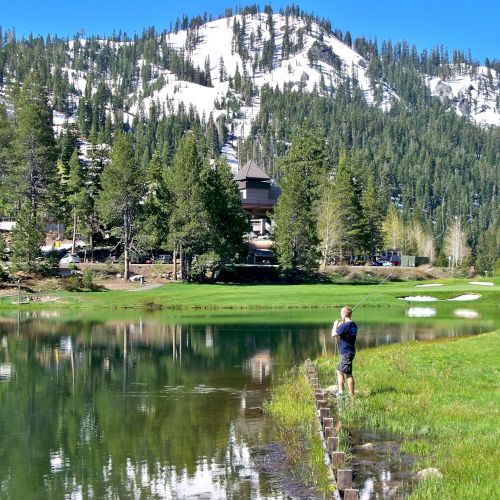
[
  {"x": 351, "y": 494},
  {"x": 324, "y": 413},
  {"x": 344, "y": 479},
  {"x": 338, "y": 458},
  {"x": 332, "y": 444},
  {"x": 329, "y": 431},
  {"x": 328, "y": 422}
]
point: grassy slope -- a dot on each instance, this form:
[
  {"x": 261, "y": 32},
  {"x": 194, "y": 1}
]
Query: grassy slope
[
  {"x": 192, "y": 296},
  {"x": 444, "y": 399}
]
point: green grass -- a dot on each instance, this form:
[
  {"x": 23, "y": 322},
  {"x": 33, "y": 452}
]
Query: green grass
[
  {"x": 194, "y": 296},
  {"x": 292, "y": 408},
  {"x": 443, "y": 398}
]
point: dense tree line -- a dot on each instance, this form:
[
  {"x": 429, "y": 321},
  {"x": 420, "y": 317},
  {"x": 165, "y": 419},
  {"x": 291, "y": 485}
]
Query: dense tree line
[
  {"x": 418, "y": 166},
  {"x": 432, "y": 165},
  {"x": 158, "y": 185},
  {"x": 116, "y": 66}
]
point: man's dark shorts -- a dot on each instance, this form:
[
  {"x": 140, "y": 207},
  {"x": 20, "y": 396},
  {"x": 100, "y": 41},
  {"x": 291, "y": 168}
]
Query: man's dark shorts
[{"x": 345, "y": 363}]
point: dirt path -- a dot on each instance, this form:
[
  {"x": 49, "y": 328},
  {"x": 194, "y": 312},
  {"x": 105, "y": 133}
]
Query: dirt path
[{"x": 143, "y": 288}]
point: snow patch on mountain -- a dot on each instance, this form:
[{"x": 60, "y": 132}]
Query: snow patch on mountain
[{"x": 475, "y": 95}]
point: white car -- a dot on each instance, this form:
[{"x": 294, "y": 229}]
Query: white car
[{"x": 70, "y": 258}]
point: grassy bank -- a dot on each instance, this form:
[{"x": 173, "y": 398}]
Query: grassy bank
[
  {"x": 292, "y": 408},
  {"x": 443, "y": 398},
  {"x": 193, "y": 296}
]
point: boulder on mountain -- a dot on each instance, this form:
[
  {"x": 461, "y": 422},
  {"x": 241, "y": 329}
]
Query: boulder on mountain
[
  {"x": 443, "y": 90},
  {"x": 322, "y": 52}
]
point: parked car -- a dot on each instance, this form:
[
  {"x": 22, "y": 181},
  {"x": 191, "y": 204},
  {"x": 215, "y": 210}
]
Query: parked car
[
  {"x": 358, "y": 261},
  {"x": 140, "y": 259},
  {"x": 163, "y": 259},
  {"x": 70, "y": 258}
]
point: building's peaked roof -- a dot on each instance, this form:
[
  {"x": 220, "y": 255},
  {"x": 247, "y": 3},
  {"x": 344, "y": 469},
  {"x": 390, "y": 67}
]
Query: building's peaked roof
[{"x": 251, "y": 171}]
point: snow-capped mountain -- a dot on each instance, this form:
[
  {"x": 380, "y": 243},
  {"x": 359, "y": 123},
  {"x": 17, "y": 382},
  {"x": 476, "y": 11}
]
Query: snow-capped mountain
[
  {"x": 215, "y": 42},
  {"x": 304, "y": 56},
  {"x": 472, "y": 92}
]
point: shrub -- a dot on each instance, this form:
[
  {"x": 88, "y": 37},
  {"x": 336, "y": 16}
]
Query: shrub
[{"x": 81, "y": 282}]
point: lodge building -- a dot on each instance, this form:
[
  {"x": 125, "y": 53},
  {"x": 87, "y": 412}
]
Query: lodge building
[{"x": 258, "y": 195}]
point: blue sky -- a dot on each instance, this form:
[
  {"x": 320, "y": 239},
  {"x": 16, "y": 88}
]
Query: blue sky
[{"x": 455, "y": 24}]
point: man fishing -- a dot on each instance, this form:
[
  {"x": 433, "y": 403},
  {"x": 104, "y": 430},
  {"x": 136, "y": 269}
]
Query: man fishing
[{"x": 346, "y": 330}]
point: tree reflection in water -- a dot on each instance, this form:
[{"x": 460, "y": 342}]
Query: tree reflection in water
[{"x": 140, "y": 406}]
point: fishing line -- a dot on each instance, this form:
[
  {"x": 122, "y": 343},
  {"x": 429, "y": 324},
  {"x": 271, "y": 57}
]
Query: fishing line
[{"x": 374, "y": 288}]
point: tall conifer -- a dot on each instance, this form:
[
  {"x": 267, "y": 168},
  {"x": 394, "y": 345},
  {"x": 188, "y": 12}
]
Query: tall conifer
[
  {"x": 122, "y": 189},
  {"x": 295, "y": 217}
]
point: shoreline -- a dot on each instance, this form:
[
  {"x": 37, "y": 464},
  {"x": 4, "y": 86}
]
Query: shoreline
[{"x": 439, "y": 401}]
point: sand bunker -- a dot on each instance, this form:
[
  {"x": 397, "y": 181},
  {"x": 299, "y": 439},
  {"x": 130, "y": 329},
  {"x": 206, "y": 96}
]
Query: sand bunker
[
  {"x": 429, "y": 284},
  {"x": 466, "y": 297},
  {"x": 421, "y": 312},
  {"x": 482, "y": 283},
  {"x": 466, "y": 313},
  {"x": 419, "y": 298}
]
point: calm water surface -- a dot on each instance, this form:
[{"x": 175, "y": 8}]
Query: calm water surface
[{"x": 162, "y": 406}]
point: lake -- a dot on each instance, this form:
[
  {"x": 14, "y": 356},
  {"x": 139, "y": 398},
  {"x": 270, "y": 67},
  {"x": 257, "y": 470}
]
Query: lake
[{"x": 165, "y": 405}]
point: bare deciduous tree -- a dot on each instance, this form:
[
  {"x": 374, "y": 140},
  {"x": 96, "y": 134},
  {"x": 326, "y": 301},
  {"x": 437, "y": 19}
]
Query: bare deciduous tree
[{"x": 455, "y": 244}]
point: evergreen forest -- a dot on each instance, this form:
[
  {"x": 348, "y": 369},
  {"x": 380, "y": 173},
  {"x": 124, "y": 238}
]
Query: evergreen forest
[{"x": 355, "y": 176}]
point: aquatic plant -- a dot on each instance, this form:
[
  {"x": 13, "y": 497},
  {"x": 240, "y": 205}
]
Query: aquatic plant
[{"x": 292, "y": 408}]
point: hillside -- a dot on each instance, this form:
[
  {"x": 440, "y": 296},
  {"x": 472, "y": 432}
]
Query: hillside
[
  {"x": 421, "y": 128},
  {"x": 222, "y": 66}
]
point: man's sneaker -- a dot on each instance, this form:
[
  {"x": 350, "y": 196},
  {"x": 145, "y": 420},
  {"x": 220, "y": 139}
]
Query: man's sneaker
[{"x": 342, "y": 395}]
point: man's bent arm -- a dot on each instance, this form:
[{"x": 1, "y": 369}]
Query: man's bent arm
[{"x": 334, "y": 329}]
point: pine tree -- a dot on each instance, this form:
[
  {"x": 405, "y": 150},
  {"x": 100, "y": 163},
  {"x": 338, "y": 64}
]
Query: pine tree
[
  {"x": 237, "y": 80},
  {"x": 372, "y": 213},
  {"x": 6, "y": 136},
  {"x": 348, "y": 39},
  {"x": 286, "y": 43},
  {"x": 34, "y": 176},
  {"x": 222, "y": 70},
  {"x": 488, "y": 253},
  {"x": 27, "y": 237},
  {"x": 189, "y": 223},
  {"x": 153, "y": 232},
  {"x": 228, "y": 221},
  {"x": 68, "y": 142},
  {"x": 122, "y": 189},
  {"x": 295, "y": 216}
]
